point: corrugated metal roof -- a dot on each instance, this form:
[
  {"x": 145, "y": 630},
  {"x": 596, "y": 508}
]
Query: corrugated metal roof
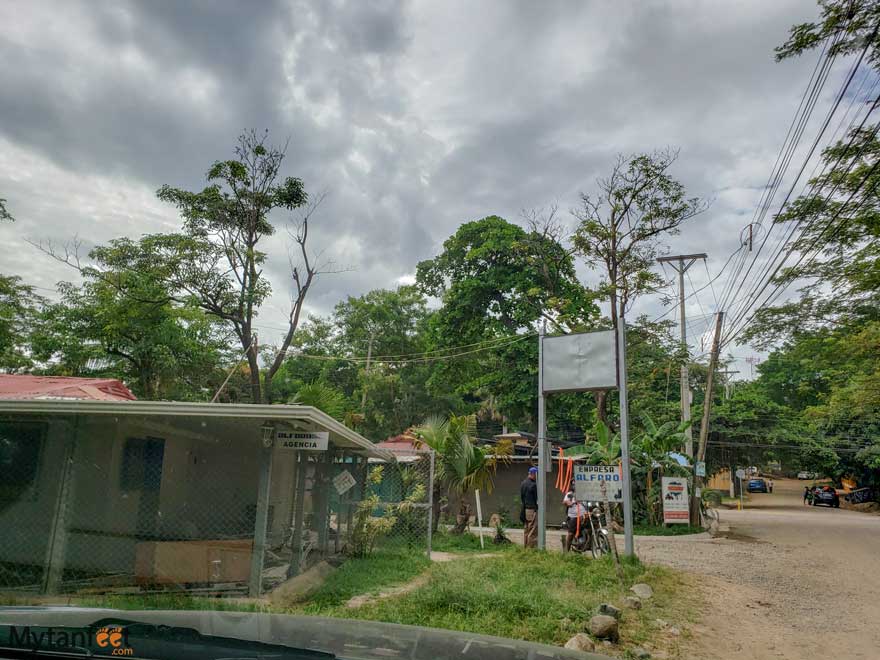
[
  {"x": 26, "y": 386},
  {"x": 339, "y": 433}
]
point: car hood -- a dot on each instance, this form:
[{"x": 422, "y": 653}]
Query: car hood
[{"x": 349, "y": 639}]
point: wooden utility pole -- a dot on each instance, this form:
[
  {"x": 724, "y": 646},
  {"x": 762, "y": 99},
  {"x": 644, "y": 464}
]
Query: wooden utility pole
[
  {"x": 707, "y": 409},
  {"x": 727, "y": 382},
  {"x": 680, "y": 263},
  {"x": 367, "y": 373}
]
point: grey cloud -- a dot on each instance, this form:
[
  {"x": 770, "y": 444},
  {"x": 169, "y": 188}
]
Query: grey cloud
[{"x": 414, "y": 116}]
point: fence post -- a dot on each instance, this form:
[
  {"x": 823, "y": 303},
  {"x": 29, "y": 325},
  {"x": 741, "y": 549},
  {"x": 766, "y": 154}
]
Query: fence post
[
  {"x": 430, "y": 501},
  {"x": 255, "y": 585},
  {"x": 298, "y": 514},
  {"x": 57, "y": 548}
]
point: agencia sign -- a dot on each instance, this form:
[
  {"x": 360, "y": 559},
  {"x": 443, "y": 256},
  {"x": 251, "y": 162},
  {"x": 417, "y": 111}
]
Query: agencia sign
[
  {"x": 588, "y": 480},
  {"x": 303, "y": 440}
]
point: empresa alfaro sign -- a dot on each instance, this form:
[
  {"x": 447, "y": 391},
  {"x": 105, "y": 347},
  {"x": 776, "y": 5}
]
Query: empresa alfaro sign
[
  {"x": 588, "y": 480},
  {"x": 302, "y": 440}
]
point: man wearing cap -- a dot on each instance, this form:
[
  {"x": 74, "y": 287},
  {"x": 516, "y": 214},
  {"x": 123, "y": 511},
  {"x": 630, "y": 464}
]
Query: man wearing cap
[{"x": 528, "y": 493}]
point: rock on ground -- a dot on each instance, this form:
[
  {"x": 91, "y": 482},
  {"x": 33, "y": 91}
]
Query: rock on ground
[
  {"x": 639, "y": 652},
  {"x": 604, "y": 627},
  {"x": 609, "y": 610},
  {"x": 642, "y": 590},
  {"x": 633, "y": 602},
  {"x": 580, "y": 642}
]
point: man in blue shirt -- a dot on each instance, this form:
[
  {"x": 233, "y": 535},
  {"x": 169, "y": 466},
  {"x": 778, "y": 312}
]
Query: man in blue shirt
[{"x": 528, "y": 494}]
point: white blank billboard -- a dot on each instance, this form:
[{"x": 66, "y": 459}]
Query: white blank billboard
[{"x": 579, "y": 362}]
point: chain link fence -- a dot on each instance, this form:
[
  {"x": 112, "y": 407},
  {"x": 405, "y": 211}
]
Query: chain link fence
[
  {"x": 94, "y": 504},
  {"x": 399, "y": 504}
]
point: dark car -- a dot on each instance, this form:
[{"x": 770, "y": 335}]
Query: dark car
[
  {"x": 826, "y": 495},
  {"x": 757, "y": 486}
]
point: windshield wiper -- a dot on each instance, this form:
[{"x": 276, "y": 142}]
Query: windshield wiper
[{"x": 139, "y": 641}]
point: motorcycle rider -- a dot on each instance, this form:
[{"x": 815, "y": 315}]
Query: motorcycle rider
[{"x": 576, "y": 510}]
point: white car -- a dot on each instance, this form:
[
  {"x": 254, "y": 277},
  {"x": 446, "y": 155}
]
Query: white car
[{"x": 806, "y": 475}]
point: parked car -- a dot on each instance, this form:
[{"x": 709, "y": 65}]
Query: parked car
[
  {"x": 826, "y": 495},
  {"x": 806, "y": 475},
  {"x": 757, "y": 486}
]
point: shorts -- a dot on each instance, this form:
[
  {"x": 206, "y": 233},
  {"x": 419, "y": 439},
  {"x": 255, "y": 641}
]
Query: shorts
[{"x": 572, "y": 525}]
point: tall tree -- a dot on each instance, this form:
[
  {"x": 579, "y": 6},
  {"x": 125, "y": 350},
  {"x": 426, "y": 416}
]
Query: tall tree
[
  {"x": 218, "y": 256},
  {"x": 124, "y": 322},
  {"x": 20, "y": 308},
  {"x": 497, "y": 281},
  {"x": 622, "y": 225}
]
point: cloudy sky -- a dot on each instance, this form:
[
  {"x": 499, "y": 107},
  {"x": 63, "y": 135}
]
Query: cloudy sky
[{"x": 413, "y": 116}]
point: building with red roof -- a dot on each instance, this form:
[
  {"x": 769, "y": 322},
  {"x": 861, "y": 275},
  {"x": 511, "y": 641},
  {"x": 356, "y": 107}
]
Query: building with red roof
[{"x": 27, "y": 387}]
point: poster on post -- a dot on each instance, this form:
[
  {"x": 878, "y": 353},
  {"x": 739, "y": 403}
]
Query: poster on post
[
  {"x": 588, "y": 480},
  {"x": 675, "y": 500}
]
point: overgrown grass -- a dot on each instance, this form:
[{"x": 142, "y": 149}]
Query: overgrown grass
[
  {"x": 662, "y": 530},
  {"x": 443, "y": 541},
  {"x": 523, "y": 594},
  {"x": 516, "y": 593},
  {"x": 365, "y": 575}
]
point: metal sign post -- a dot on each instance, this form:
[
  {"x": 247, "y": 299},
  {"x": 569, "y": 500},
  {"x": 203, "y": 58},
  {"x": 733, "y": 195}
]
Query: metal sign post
[
  {"x": 542, "y": 447},
  {"x": 628, "y": 548}
]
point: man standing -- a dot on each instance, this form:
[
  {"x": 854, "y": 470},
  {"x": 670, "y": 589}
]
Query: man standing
[
  {"x": 770, "y": 485},
  {"x": 528, "y": 494}
]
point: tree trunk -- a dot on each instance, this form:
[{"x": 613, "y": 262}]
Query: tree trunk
[{"x": 254, "y": 365}]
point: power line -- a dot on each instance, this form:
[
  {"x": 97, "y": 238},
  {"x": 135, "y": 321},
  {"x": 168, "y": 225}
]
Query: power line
[
  {"x": 416, "y": 360},
  {"x": 748, "y": 300},
  {"x": 791, "y": 189},
  {"x": 781, "y": 287}
]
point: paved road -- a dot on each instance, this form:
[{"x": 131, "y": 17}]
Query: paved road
[{"x": 790, "y": 581}]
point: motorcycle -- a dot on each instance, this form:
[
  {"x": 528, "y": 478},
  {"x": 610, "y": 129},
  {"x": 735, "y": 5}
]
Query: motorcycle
[{"x": 593, "y": 536}]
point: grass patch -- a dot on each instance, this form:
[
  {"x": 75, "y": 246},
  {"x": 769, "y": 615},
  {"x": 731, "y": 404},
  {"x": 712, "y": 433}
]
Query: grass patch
[
  {"x": 443, "y": 541},
  {"x": 661, "y": 530},
  {"x": 365, "y": 575},
  {"x": 523, "y": 594}
]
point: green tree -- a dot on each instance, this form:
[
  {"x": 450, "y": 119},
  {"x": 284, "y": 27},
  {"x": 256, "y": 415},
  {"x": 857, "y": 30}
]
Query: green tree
[
  {"x": 496, "y": 282},
  {"x": 123, "y": 322},
  {"x": 20, "y": 309},
  {"x": 218, "y": 256},
  {"x": 621, "y": 227},
  {"x": 5, "y": 215}
]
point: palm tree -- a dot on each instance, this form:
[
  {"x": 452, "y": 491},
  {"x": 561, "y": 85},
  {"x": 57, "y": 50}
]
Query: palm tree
[
  {"x": 461, "y": 466},
  {"x": 325, "y": 398}
]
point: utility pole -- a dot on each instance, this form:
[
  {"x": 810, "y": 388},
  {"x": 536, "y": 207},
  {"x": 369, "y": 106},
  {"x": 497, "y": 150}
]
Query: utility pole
[
  {"x": 752, "y": 360},
  {"x": 628, "y": 548},
  {"x": 707, "y": 409},
  {"x": 727, "y": 383},
  {"x": 544, "y": 464},
  {"x": 367, "y": 372},
  {"x": 680, "y": 263}
]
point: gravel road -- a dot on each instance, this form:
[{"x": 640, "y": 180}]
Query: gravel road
[{"x": 789, "y": 581}]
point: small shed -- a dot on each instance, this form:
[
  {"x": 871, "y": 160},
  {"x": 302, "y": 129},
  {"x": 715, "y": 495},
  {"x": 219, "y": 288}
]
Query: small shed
[{"x": 142, "y": 494}]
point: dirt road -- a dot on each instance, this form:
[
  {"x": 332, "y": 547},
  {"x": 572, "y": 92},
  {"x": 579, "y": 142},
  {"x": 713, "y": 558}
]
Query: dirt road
[{"x": 790, "y": 581}]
